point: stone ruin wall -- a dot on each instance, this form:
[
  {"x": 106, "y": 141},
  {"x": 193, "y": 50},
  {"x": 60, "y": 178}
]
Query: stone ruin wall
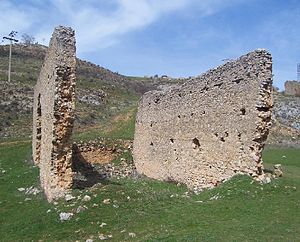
[
  {"x": 292, "y": 88},
  {"x": 210, "y": 128},
  {"x": 54, "y": 103}
]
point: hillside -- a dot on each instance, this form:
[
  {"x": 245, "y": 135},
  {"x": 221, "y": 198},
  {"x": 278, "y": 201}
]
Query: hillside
[
  {"x": 104, "y": 98},
  {"x": 101, "y": 93}
]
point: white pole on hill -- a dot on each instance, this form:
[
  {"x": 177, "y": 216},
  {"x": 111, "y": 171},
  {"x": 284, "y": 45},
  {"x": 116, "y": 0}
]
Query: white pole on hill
[{"x": 11, "y": 40}]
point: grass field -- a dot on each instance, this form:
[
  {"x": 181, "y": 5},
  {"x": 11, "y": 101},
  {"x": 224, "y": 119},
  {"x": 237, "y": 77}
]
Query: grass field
[{"x": 147, "y": 210}]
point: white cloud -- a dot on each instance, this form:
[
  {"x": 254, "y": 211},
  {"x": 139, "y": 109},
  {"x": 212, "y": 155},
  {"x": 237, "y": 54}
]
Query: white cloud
[
  {"x": 12, "y": 19},
  {"x": 96, "y": 27}
]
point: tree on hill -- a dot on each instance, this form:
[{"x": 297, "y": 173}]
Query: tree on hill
[{"x": 27, "y": 39}]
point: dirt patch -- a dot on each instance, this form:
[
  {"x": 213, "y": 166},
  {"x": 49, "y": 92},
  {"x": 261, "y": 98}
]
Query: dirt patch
[{"x": 99, "y": 156}]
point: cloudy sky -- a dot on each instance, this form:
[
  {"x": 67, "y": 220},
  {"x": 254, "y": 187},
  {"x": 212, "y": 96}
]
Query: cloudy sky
[{"x": 173, "y": 37}]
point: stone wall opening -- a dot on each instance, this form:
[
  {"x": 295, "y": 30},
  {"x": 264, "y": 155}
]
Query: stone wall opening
[{"x": 38, "y": 130}]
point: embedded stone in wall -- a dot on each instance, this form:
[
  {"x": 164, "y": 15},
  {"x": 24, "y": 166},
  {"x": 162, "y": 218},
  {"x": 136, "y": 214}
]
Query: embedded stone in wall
[
  {"x": 210, "y": 128},
  {"x": 53, "y": 114},
  {"x": 292, "y": 88}
]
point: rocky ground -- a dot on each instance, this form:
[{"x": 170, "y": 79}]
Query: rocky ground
[
  {"x": 287, "y": 110},
  {"x": 99, "y": 160}
]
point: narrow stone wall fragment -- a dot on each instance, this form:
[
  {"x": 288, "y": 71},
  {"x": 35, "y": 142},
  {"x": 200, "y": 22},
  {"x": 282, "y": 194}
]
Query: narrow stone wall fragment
[
  {"x": 292, "y": 88},
  {"x": 210, "y": 128},
  {"x": 53, "y": 114}
]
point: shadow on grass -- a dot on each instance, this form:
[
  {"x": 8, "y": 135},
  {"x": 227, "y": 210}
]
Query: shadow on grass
[
  {"x": 269, "y": 171},
  {"x": 86, "y": 174}
]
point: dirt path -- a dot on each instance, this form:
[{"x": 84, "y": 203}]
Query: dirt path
[{"x": 14, "y": 142}]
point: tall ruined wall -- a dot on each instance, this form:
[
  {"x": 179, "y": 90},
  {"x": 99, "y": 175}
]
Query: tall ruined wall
[
  {"x": 53, "y": 114},
  {"x": 210, "y": 128},
  {"x": 292, "y": 88}
]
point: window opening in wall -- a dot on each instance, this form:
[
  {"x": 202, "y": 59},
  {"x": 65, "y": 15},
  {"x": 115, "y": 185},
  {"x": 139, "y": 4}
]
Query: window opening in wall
[
  {"x": 243, "y": 111},
  {"x": 196, "y": 143},
  {"x": 237, "y": 81},
  {"x": 263, "y": 109},
  {"x": 38, "y": 129},
  {"x": 218, "y": 84}
]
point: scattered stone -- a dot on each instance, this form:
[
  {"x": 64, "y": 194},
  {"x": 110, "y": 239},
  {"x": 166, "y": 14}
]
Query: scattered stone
[
  {"x": 81, "y": 209},
  {"x": 27, "y": 199},
  {"x": 102, "y": 225},
  {"x": 278, "y": 170},
  {"x": 65, "y": 216},
  {"x": 266, "y": 180},
  {"x": 86, "y": 198},
  {"x": 48, "y": 211},
  {"x": 132, "y": 235},
  {"x": 89, "y": 240},
  {"x": 21, "y": 189},
  {"x": 215, "y": 197},
  {"x": 69, "y": 197},
  {"x": 102, "y": 237},
  {"x": 106, "y": 201},
  {"x": 32, "y": 191}
]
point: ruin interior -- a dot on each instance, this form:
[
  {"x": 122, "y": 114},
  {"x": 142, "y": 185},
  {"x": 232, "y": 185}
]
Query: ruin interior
[{"x": 200, "y": 133}]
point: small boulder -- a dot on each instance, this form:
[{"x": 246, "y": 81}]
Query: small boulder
[
  {"x": 86, "y": 198},
  {"x": 65, "y": 216}
]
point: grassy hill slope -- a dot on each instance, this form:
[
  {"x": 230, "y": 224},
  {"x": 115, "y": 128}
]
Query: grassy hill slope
[{"x": 100, "y": 93}]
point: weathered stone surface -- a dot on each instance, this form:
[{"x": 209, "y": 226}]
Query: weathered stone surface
[
  {"x": 292, "y": 88},
  {"x": 210, "y": 128},
  {"x": 53, "y": 114}
]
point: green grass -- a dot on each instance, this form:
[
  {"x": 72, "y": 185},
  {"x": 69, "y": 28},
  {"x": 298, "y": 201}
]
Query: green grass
[
  {"x": 120, "y": 129},
  {"x": 153, "y": 210}
]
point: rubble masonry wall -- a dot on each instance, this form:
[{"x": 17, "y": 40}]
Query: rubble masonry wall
[
  {"x": 210, "y": 128},
  {"x": 53, "y": 114}
]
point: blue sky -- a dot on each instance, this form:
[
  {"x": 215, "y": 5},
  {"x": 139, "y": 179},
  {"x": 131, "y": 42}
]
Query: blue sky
[{"x": 175, "y": 37}]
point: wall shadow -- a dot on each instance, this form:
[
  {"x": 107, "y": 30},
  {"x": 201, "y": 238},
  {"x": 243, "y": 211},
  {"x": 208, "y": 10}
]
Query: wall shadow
[{"x": 86, "y": 175}]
